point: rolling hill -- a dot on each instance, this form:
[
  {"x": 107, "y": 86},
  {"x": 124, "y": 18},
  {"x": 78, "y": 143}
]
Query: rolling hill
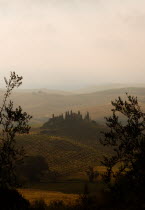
[
  {"x": 96, "y": 88},
  {"x": 41, "y": 104},
  {"x": 65, "y": 152},
  {"x": 69, "y": 143},
  {"x": 64, "y": 155}
]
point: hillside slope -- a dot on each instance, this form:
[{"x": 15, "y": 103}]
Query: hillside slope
[{"x": 64, "y": 155}]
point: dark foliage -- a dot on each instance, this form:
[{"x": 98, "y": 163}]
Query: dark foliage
[
  {"x": 39, "y": 205},
  {"x": 13, "y": 121},
  {"x": 72, "y": 125},
  {"x": 69, "y": 117},
  {"x": 128, "y": 140},
  {"x": 12, "y": 200},
  {"x": 32, "y": 169}
]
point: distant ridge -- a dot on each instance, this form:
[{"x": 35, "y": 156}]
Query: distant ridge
[
  {"x": 96, "y": 88},
  {"x": 42, "y": 104},
  {"x": 42, "y": 90}
]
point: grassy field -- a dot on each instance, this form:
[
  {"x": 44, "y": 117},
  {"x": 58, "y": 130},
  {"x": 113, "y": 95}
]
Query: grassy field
[
  {"x": 69, "y": 192},
  {"x": 48, "y": 196}
]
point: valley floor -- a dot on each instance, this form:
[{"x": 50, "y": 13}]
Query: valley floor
[
  {"x": 68, "y": 192},
  {"x": 48, "y": 196}
]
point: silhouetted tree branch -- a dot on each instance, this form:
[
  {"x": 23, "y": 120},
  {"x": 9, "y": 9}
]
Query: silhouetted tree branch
[
  {"x": 127, "y": 138},
  {"x": 13, "y": 121}
]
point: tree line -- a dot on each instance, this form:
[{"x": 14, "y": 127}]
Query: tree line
[{"x": 68, "y": 117}]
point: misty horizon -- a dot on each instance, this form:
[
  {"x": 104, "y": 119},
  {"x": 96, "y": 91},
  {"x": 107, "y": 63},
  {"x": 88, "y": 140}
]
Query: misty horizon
[
  {"x": 67, "y": 44},
  {"x": 80, "y": 87}
]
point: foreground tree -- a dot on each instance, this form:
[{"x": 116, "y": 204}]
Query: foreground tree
[
  {"x": 126, "y": 135},
  {"x": 13, "y": 121}
]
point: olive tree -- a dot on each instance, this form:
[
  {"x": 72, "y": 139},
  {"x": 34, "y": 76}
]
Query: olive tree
[
  {"x": 126, "y": 136},
  {"x": 13, "y": 121}
]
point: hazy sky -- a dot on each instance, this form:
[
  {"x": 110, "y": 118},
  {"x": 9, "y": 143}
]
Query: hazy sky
[{"x": 65, "y": 43}]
